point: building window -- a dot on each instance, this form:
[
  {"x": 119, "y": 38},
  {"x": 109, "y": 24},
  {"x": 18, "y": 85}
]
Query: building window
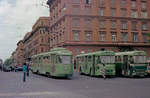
[
  {"x": 88, "y": 1},
  {"x": 133, "y": 4},
  {"x": 101, "y": 11},
  {"x": 113, "y": 12},
  {"x": 102, "y": 24},
  {"x": 75, "y": 1},
  {"x": 101, "y": 2},
  {"x": 76, "y": 51},
  {"x": 134, "y": 14},
  {"x": 144, "y": 26},
  {"x": 113, "y": 24},
  {"x": 144, "y": 37},
  {"x": 135, "y": 37},
  {"x": 123, "y": 3},
  {"x": 88, "y": 23},
  {"x": 42, "y": 40},
  {"x": 88, "y": 50},
  {"x": 124, "y": 25},
  {"x": 76, "y": 35},
  {"x": 124, "y": 36},
  {"x": 76, "y": 10},
  {"x": 144, "y": 14},
  {"x": 112, "y": 2},
  {"x": 123, "y": 12},
  {"x": 102, "y": 36},
  {"x": 88, "y": 36},
  {"x": 143, "y": 5},
  {"x": 75, "y": 22},
  {"x": 114, "y": 36},
  {"x": 42, "y": 50},
  {"x": 87, "y": 10},
  {"x": 64, "y": 7},
  {"x": 134, "y": 25}
]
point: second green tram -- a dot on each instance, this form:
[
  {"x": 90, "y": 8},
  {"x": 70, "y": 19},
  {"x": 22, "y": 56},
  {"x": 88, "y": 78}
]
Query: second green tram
[
  {"x": 57, "y": 62},
  {"x": 92, "y": 63},
  {"x": 131, "y": 63}
]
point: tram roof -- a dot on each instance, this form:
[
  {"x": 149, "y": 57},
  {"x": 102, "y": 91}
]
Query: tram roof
[
  {"x": 98, "y": 53},
  {"x": 61, "y": 51},
  {"x": 131, "y": 53}
]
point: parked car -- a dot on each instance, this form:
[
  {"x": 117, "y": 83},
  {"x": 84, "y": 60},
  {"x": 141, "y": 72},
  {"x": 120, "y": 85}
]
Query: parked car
[
  {"x": 12, "y": 67},
  {"x": 6, "y": 68},
  {"x": 18, "y": 69}
]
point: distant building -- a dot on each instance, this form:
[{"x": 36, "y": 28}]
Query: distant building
[
  {"x": 14, "y": 58},
  {"x": 91, "y": 25},
  {"x": 19, "y": 60},
  {"x": 37, "y": 41}
]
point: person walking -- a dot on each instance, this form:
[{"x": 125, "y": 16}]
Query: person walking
[
  {"x": 24, "y": 72},
  {"x": 104, "y": 72}
]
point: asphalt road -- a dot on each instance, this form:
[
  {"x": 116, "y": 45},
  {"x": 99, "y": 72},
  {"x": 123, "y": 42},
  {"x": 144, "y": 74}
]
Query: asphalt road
[{"x": 80, "y": 86}]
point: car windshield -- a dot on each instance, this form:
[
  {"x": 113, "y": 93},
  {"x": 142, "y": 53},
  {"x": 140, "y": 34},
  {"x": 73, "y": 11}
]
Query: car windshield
[
  {"x": 139, "y": 59},
  {"x": 107, "y": 59},
  {"x": 64, "y": 59}
]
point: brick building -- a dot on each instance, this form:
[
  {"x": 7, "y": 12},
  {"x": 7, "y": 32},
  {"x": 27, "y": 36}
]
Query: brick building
[
  {"x": 19, "y": 58},
  {"x": 91, "y": 25},
  {"x": 37, "y": 41}
]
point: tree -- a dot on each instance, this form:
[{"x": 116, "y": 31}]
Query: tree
[{"x": 8, "y": 62}]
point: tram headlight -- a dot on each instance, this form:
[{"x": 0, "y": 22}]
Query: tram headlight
[{"x": 114, "y": 71}]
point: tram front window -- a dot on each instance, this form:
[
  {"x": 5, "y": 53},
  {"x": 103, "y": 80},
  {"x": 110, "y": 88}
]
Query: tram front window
[
  {"x": 139, "y": 59},
  {"x": 64, "y": 59},
  {"x": 107, "y": 59}
]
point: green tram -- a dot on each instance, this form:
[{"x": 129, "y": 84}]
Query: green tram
[
  {"x": 92, "y": 63},
  {"x": 132, "y": 63},
  {"x": 57, "y": 63}
]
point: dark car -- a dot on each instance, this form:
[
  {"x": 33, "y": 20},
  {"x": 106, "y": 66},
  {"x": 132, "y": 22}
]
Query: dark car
[
  {"x": 6, "y": 68},
  {"x": 18, "y": 69},
  {"x": 12, "y": 67}
]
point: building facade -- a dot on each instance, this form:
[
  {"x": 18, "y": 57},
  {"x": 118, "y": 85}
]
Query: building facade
[
  {"x": 91, "y": 25},
  {"x": 37, "y": 41},
  {"x": 19, "y": 58}
]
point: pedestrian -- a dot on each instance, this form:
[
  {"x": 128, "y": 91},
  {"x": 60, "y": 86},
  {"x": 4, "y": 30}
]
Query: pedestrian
[
  {"x": 28, "y": 70},
  {"x": 24, "y": 72},
  {"x": 104, "y": 71}
]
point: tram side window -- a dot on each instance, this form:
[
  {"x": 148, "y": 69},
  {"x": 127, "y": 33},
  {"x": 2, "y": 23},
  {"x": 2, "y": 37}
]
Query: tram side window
[
  {"x": 59, "y": 59},
  {"x": 119, "y": 59},
  {"x": 89, "y": 58},
  {"x": 82, "y": 59},
  {"x": 39, "y": 60},
  {"x": 131, "y": 59},
  {"x": 46, "y": 59}
]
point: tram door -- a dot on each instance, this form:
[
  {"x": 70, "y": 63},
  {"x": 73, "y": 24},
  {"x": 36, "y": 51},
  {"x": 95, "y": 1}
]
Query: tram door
[{"x": 125, "y": 65}]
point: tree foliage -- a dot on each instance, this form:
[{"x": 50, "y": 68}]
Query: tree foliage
[{"x": 8, "y": 62}]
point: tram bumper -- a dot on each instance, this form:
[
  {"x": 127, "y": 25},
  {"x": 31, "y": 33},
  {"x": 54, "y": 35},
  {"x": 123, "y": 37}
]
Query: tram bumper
[{"x": 139, "y": 71}]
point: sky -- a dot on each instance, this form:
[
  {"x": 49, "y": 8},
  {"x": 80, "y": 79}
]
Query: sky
[{"x": 16, "y": 19}]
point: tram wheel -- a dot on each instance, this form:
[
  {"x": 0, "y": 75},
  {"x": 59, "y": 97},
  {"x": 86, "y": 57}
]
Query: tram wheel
[
  {"x": 48, "y": 74},
  {"x": 37, "y": 72}
]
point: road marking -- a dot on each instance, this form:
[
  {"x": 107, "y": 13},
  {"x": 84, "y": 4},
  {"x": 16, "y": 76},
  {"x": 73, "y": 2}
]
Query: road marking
[{"x": 28, "y": 94}]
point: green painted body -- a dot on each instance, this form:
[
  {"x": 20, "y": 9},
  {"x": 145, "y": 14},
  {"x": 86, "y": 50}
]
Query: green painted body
[
  {"x": 90, "y": 63},
  {"x": 57, "y": 62},
  {"x": 126, "y": 64}
]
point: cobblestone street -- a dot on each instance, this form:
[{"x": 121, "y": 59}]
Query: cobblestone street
[{"x": 11, "y": 86}]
